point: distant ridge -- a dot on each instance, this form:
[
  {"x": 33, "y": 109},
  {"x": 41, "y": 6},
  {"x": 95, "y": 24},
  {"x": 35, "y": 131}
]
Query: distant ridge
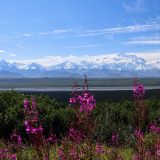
[
  {"x": 7, "y": 74},
  {"x": 116, "y": 66}
]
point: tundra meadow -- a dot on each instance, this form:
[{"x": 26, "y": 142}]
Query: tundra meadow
[{"x": 81, "y": 131}]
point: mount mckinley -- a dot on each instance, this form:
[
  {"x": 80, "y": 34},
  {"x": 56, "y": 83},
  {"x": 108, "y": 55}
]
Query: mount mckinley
[{"x": 113, "y": 65}]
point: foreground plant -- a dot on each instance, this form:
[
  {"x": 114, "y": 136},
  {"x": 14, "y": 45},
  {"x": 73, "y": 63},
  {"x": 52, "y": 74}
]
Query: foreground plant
[
  {"x": 14, "y": 145},
  {"x": 35, "y": 130},
  {"x": 5, "y": 154},
  {"x": 140, "y": 112},
  {"x": 144, "y": 152},
  {"x": 79, "y": 143}
]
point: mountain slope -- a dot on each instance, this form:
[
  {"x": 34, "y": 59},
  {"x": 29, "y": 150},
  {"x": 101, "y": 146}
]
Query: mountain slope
[{"x": 117, "y": 65}]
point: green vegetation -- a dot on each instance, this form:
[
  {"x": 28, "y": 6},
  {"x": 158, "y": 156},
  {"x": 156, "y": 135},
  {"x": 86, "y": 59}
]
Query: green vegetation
[
  {"x": 68, "y": 82},
  {"x": 42, "y": 128},
  {"x": 112, "y": 116}
]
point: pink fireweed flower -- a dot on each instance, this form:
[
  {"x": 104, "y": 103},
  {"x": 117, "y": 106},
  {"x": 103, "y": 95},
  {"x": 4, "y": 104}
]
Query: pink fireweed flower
[
  {"x": 45, "y": 158},
  {"x": 52, "y": 139},
  {"x": 136, "y": 157},
  {"x": 61, "y": 154},
  {"x": 26, "y": 123},
  {"x": 76, "y": 135},
  {"x": 28, "y": 126},
  {"x": 3, "y": 150},
  {"x": 148, "y": 154},
  {"x": 32, "y": 130},
  {"x": 31, "y": 123},
  {"x": 99, "y": 149},
  {"x": 138, "y": 133},
  {"x": 73, "y": 100},
  {"x": 138, "y": 90},
  {"x": 73, "y": 153},
  {"x": 158, "y": 150},
  {"x": 16, "y": 138},
  {"x": 114, "y": 139},
  {"x": 87, "y": 102},
  {"x": 25, "y": 103},
  {"x": 13, "y": 157},
  {"x": 153, "y": 128},
  {"x": 3, "y": 153},
  {"x": 33, "y": 102}
]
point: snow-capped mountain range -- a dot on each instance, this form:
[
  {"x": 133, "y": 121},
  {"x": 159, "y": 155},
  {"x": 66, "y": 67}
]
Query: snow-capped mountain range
[{"x": 112, "y": 65}]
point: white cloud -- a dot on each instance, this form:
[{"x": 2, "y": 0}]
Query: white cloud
[
  {"x": 144, "y": 42},
  {"x": 57, "y": 31},
  {"x": 62, "y": 31},
  {"x": 2, "y": 51},
  {"x": 151, "y": 26},
  {"x": 18, "y": 34},
  {"x": 150, "y": 40},
  {"x": 27, "y": 34},
  {"x": 12, "y": 55},
  {"x": 150, "y": 57},
  {"x": 20, "y": 46},
  {"x": 137, "y": 7},
  {"x": 86, "y": 46},
  {"x": 48, "y": 61}
]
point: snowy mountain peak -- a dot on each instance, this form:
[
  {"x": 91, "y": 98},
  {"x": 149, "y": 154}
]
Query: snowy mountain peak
[{"x": 125, "y": 65}]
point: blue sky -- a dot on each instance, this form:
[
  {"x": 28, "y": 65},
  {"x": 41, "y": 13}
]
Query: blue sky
[{"x": 32, "y": 29}]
